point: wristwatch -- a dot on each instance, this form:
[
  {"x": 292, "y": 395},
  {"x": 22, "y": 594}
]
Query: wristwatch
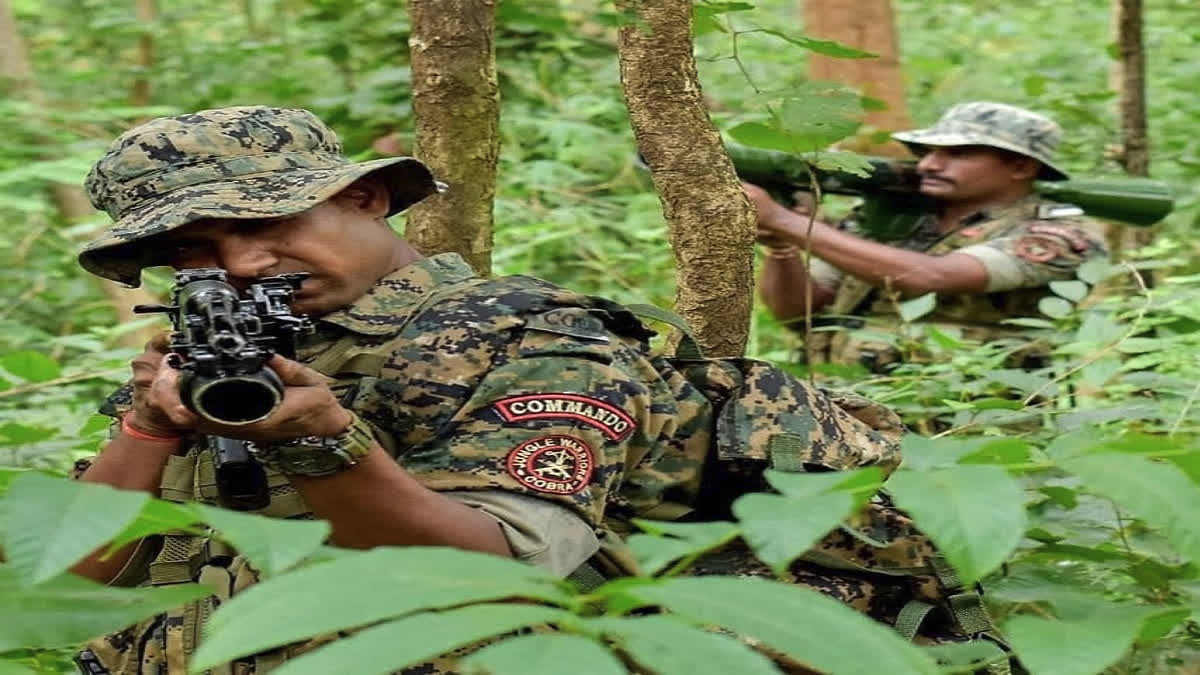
[{"x": 319, "y": 455}]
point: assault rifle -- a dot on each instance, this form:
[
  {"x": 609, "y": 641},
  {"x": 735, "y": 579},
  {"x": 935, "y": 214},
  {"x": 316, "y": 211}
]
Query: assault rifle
[
  {"x": 892, "y": 201},
  {"x": 221, "y": 342}
]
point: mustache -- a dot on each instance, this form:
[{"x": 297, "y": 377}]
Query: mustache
[{"x": 936, "y": 177}]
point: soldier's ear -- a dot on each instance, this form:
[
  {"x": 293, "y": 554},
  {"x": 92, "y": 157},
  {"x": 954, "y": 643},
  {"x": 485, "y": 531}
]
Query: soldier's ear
[
  {"x": 367, "y": 195},
  {"x": 1025, "y": 168}
]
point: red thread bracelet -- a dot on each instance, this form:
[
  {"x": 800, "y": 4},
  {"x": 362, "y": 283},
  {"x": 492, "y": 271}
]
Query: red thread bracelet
[{"x": 128, "y": 430}]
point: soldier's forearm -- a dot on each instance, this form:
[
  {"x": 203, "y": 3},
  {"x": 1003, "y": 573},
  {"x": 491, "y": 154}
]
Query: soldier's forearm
[
  {"x": 130, "y": 464},
  {"x": 784, "y": 285},
  {"x": 377, "y": 503}
]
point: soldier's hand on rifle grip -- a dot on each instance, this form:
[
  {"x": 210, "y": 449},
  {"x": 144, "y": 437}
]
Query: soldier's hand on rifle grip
[
  {"x": 309, "y": 407},
  {"x": 153, "y": 381}
]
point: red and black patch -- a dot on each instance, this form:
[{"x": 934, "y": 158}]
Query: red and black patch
[
  {"x": 1036, "y": 249},
  {"x": 609, "y": 419},
  {"x": 554, "y": 464},
  {"x": 1073, "y": 236}
]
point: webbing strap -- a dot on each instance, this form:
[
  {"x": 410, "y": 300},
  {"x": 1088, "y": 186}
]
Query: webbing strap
[
  {"x": 787, "y": 452},
  {"x": 910, "y": 618},
  {"x": 587, "y": 577},
  {"x": 965, "y": 605},
  {"x": 178, "y": 561},
  {"x": 688, "y": 347}
]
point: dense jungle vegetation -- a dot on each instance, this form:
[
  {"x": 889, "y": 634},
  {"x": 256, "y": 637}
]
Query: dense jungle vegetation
[{"x": 1073, "y": 492}]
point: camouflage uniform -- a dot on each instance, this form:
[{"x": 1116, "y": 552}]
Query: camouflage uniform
[
  {"x": 1023, "y": 246},
  {"x": 542, "y": 407}
]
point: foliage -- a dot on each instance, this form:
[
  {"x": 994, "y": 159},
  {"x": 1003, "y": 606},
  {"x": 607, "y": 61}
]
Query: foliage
[{"x": 1099, "y": 448}]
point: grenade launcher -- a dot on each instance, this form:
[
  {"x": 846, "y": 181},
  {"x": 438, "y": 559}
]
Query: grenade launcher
[
  {"x": 892, "y": 201},
  {"x": 221, "y": 342}
]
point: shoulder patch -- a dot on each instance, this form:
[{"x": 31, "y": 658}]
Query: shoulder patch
[
  {"x": 609, "y": 419},
  {"x": 573, "y": 321},
  {"x": 1073, "y": 236},
  {"x": 556, "y": 464}
]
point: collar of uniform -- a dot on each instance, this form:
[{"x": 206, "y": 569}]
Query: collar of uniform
[
  {"x": 1022, "y": 209},
  {"x": 385, "y": 308}
]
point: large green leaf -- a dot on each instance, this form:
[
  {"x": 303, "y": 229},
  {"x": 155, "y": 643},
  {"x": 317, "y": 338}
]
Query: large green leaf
[
  {"x": 158, "y": 516},
  {"x": 30, "y": 365},
  {"x": 1157, "y": 492},
  {"x": 862, "y": 483},
  {"x": 826, "y": 47},
  {"x": 388, "y": 647},
  {"x": 668, "y": 542},
  {"x": 802, "y": 623},
  {"x": 361, "y": 589},
  {"x": 780, "y": 529},
  {"x": 273, "y": 545},
  {"x": 1080, "y": 647},
  {"x": 974, "y": 513},
  {"x": 51, "y": 523},
  {"x": 911, "y": 310},
  {"x": 548, "y": 654},
  {"x": 14, "y": 668},
  {"x": 663, "y": 644},
  {"x": 67, "y": 610}
]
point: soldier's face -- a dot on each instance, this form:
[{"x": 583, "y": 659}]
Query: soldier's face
[
  {"x": 343, "y": 242},
  {"x": 973, "y": 173}
]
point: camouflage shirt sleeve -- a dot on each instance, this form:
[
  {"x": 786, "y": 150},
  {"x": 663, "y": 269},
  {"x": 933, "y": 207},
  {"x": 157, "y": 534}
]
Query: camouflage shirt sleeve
[{"x": 1036, "y": 252}]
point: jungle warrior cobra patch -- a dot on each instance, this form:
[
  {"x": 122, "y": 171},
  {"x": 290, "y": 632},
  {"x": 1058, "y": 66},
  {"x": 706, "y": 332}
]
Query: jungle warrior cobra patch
[
  {"x": 609, "y": 419},
  {"x": 555, "y": 464}
]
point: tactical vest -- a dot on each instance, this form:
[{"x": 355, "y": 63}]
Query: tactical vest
[{"x": 861, "y": 306}]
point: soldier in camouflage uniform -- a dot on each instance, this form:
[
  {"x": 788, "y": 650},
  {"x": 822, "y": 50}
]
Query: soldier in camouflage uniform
[
  {"x": 508, "y": 416},
  {"x": 988, "y": 251}
]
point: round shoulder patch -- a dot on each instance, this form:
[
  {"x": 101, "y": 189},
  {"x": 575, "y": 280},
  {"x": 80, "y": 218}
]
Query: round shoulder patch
[{"x": 554, "y": 464}]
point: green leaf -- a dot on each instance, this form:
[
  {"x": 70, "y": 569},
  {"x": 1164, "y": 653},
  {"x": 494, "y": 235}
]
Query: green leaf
[
  {"x": 13, "y": 668},
  {"x": 12, "y": 433},
  {"x": 1029, "y": 322},
  {"x": 780, "y": 529},
  {"x": 1002, "y": 451},
  {"x": 833, "y": 638},
  {"x": 1096, "y": 270},
  {"x": 1035, "y": 85},
  {"x": 67, "y": 610},
  {"x": 967, "y": 657},
  {"x": 51, "y": 523},
  {"x": 667, "y": 542},
  {"x": 156, "y": 517},
  {"x": 1055, "y": 307},
  {"x": 759, "y": 135},
  {"x": 861, "y": 482},
  {"x": 419, "y": 637},
  {"x": 974, "y": 513},
  {"x": 545, "y": 654},
  {"x": 846, "y": 162},
  {"x": 911, "y": 310},
  {"x": 818, "y": 115},
  {"x": 1080, "y": 647},
  {"x": 826, "y": 47},
  {"x": 1098, "y": 328},
  {"x": 1157, "y": 492},
  {"x": 362, "y": 589},
  {"x": 273, "y": 545},
  {"x": 1071, "y": 290},
  {"x": 30, "y": 365},
  {"x": 1064, "y": 497},
  {"x": 662, "y": 644}
]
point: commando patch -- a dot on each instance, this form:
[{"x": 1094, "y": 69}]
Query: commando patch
[
  {"x": 554, "y": 464},
  {"x": 609, "y": 419}
]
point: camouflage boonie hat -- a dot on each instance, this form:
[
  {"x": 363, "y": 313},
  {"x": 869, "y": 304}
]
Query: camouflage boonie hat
[
  {"x": 996, "y": 125},
  {"x": 242, "y": 162}
]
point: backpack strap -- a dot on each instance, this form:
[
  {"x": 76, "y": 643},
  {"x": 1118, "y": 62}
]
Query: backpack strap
[{"x": 688, "y": 348}]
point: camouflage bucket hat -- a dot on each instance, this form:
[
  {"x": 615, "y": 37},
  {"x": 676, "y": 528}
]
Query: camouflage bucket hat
[
  {"x": 996, "y": 125},
  {"x": 242, "y": 162}
]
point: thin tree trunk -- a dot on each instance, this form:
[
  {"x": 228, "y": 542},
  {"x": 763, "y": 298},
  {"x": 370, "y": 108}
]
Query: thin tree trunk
[
  {"x": 146, "y": 15},
  {"x": 710, "y": 221},
  {"x": 869, "y": 25},
  {"x": 1129, "y": 78},
  {"x": 70, "y": 201},
  {"x": 456, "y": 103}
]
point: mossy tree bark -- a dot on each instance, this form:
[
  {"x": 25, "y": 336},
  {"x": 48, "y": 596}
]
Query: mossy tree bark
[
  {"x": 710, "y": 221},
  {"x": 869, "y": 25},
  {"x": 456, "y": 102}
]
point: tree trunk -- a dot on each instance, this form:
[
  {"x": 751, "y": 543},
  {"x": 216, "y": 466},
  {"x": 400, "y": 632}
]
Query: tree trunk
[
  {"x": 70, "y": 201},
  {"x": 868, "y": 25},
  {"x": 146, "y": 15},
  {"x": 710, "y": 221},
  {"x": 456, "y": 103},
  {"x": 1129, "y": 79}
]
